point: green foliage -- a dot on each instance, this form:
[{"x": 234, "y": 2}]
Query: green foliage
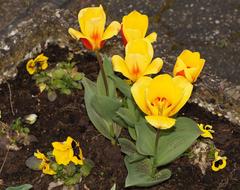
[
  {"x": 101, "y": 108},
  {"x": 63, "y": 78},
  {"x": 174, "y": 142},
  {"x": 19, "y": 127},
  {"x": 141, "y": 173},
  {"x": 21, "y": 187}
]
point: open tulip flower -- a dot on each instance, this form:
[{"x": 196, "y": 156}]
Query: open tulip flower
[
  {"x": 134, "y": 26},
  {"x": 67, "y": 151},
  {"x": 161, "y": 97},
  {"x": 39, "y": 63},
  {"x": 138, "y": 60},
  {"x": 189, "y": 64},
  {"x": 92, "y": 22}
]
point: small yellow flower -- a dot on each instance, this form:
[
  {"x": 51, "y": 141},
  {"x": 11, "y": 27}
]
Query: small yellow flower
[
  {"x": 44, "y": 166},
  {"x": 39, "y": 63},
  {"x": 92, "y": 22},
  {"x": 134, "y": 26},
  {"x": 206, "y": 131},
  {"x": 219, "y": 162},
  {"x": 138, "y": 60},
  {"x": 67, "y": 151},
  {"x": 189, "y": 64},
  {"x": 161, "y": 97}
]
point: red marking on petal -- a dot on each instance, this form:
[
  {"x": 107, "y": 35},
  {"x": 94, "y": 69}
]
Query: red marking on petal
[
  {"x": 123, "y": 37},
  {"x": 86, "y": 43},
  {"x": 181, "y": 73},
  {"x": 102, "y": 43}
]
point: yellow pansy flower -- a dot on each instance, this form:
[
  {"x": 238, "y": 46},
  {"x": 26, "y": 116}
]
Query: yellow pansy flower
[
  {"x": 92, "y": 22},
  {"x": 39, "y": 63},
  {"x": 134, "y": 26},
  {"x": 138, "y": 60},
  {"x": 219, "y": 162},
  {"x": 189, "y": 64},
  {"x": 67, "y": 151},
  {"x": 206, "y": 131},
  {"x": 161, "y": 97},
  {"x": 44, "y": 166}
]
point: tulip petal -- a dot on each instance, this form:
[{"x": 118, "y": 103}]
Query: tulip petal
[
  {"x": 138, "y": 93},
  {"x": 134, "y": 25},
  {"x": 120, "y": 66},
  {"x": 154, "y": 67},
  {"x": 92, "y": 21},
  {"x": 201, "y": 63},
  {"x": 163, "y": 86},
  {"x": 186, "y": 87},
  {"x": 140, "y": 46},
  {"x": 75, "y": 34},
  {"x": 160, "y": 122},
  {"x": 112, "y": 30},
  {"x": 151, "y": 37}
]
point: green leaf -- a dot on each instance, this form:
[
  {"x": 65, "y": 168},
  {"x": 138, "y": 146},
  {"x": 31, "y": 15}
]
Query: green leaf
[
  {"x": 146, "y": 136},
  {"x": 122, "y": 86},
  {"x": 87, "y": 167},
  {"x": 77, "y": 76},
  {"x": 73, "y": 180},
  {"x": 132, "y": 133},
  {"x": 58, "y": 74},
  {"x": 116, "y": 129},
  {"x": 65, "y": 91},
  {"x": 58, "y": 84},
  {"x": 100, "y": 83},
  {"x": 172, "y": 143},
  {"x": 140, "y": 174},
  {"x": 106, "y": 106},
  {"x": 33, "y": 163},
  {"x": 135, "y": 157},
  {"x": 127, "y": 116},
  {"x": 127, "y": 146},
  {"x": 21, "y": 187},
  {"x": 102, "y": 125}
]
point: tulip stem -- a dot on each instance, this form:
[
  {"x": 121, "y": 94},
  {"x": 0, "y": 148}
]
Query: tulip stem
[
  {"x": 104, "y": 76},
  {"x": 155, "y": 152}
]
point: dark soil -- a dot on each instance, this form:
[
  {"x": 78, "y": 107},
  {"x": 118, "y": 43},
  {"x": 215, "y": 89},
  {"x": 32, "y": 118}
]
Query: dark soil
[{"x": 67, "y": 117}]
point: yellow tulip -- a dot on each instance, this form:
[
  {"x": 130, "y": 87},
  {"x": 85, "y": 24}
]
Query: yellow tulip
[
  {"x": 67, "y": 151},
  {"x": 161, "y": 97},
  {"x": 44, "y": 166},
  {"x": 92, "y": 22},
  {"x": 189, "y": 64},
  {"x": 134, "y": 26},
  {"x": 138, "y": 60},
  {"x": 219, "y": 162},
  {"x": 39, "y": 63}
]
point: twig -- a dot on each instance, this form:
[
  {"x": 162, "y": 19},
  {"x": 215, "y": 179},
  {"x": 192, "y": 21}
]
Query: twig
[
  {"x": 10, "y": 98},
  {"x": 5, "y": 159}
]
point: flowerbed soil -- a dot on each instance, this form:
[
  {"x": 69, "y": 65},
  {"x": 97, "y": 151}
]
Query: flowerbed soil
[{"x": 67, "y": 117}]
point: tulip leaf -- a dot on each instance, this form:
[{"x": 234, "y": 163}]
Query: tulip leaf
[
  {"x": 21, "y": 187},
  {"x": 127, "y": 116},
  {"x": 172, "y": 143},
  {"x": 127, "y": 146},
  {"x": 132, "y": 133},
  {"x": 140, "y": 174},
  {"x": 146, "y": 136},
  {"x": 105, "y": 106},
  {"x": 122, "y": 86},
  {"x": 101, "y": 124},
  {"x": 107, "y": 66}
]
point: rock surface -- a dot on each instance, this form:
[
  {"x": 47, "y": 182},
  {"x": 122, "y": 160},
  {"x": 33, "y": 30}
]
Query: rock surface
[{"x": 211, "y": 27}]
